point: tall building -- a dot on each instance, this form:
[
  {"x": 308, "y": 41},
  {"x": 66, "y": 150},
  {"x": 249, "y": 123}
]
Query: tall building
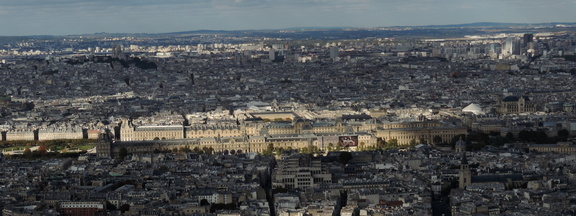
[
  {"x": 104, "y": 144},
  {"x": 334, "y": 53},
  {"x": 526, "y": 39},
  {"x": 272, "y": 54},
  {"x": 465, "y": 175},
  {"x": 511, "y": 46}
]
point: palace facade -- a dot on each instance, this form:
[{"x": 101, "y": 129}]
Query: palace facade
[{"x": 257, "y": 136}]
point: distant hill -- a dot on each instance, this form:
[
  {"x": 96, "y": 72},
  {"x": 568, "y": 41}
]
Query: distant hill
[
  {"x": 199, "y": 32},
  {"x": 336, "y": 28},
  {"x": 336, "y": 31},
  {"x": 498, "y": 24}
]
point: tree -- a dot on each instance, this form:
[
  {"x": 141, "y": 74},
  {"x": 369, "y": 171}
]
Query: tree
[
  {"x": 509, "y": 136},
  {"x": 392, "y": 143},
  {"x": 186, "y": 149},
  {"x": 533, "y": 136},
  {"x": 338, "y": 146},
  {"x": 110, "y": 206},
  {"x": 563, "y": 133},
  {"x": 124, "y": 208},
  {"x": 27, "y": 152},
  {"x": 497, "y": 140},
  {"x": 437, "y": 139},
  {"x": 314, "y": 150},
  {"x": 413, "y": 143},
  {"x": 204, "y": 202},
  {"x": 305, "y": 150},
  {"x": 361, "y": 146},
  {"x": 423, "y": 141},
  {"x": 123, "y": 153},
  {"x": 278, "y": 150},
  {"x": 42, "y": 149},
  {"x": 524, "y": 135},
  {"x": 330, "y": 147},
  {"x": 380, "y": 143},
  {"x": 269, "y": 150},
  {"x": 345, "y": 157}
]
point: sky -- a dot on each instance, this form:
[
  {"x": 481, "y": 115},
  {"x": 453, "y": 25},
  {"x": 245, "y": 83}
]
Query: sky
[{"x": 65, "y": 17}]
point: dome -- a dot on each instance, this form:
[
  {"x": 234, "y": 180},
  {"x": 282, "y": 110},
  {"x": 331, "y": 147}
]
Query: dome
[{"x": 460, "y": 143}]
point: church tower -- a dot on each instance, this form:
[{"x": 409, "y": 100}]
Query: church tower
[
  {"x": 465, "y": 175},
  {"x": 104, "y": 144}
]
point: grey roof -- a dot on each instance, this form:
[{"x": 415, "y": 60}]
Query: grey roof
[
  {"x": 496, "y": 178},
  {"x": 514, "y": 98}
]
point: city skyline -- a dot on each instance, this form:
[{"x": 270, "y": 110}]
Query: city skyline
[{"x": 65, "y": 17}]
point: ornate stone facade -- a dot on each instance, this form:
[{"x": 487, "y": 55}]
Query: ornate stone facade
[{"x": 516, "y": 104}]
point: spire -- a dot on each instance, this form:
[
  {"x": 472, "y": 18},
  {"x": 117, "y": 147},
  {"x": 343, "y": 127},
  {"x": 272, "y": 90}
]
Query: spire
[{"x": 464, "y": 159}]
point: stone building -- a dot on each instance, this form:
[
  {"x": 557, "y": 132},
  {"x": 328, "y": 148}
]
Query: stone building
[
  {"x": 257, "y": 136},
  {"x": 516, "y": 104}
]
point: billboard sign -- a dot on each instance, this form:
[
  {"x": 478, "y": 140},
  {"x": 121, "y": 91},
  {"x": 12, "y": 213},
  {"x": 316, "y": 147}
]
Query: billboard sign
[{"x": 348, "y": 141}]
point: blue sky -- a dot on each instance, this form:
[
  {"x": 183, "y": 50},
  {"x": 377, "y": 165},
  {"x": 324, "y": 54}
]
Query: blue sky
[{"x": 62, "y": 17}]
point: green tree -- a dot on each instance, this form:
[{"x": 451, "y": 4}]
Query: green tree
[
  {"x": 123, "y": 153},
  {"x": 361, "y": 147},
  {"x": 205, "y": 150},
  {"x": 314, "y": 149},
  {"x": 185, "y": 149},
  {"x": 497, "y": 140},
  {"x": 196, "y": 149},
  {"x": 305, "y": 150},
  {"x": 330, "y": 147},
  {"x": 509, "y": 136},
  {"x": 204, "y": 202},
  {"x": 338, "y": 146},
  {"x": 124, "y": 208},
  {"x": 380, "y": 143},
  {"x": 563, "y": 134},
  {"x": 437, "y": 139},
  {"x": 524, "y": 135},
  {"x": 533, "y": 136},
  {"x": 110, "y": 206},
  {"x": 423, "y": 141},
  {"x": 392, "y": 143},
  {"x": 27, "y": 152},
  {"x": 269, "y": 150},
  {"x": 279, "y": 150},
  {"x": 413, "y": 143}
]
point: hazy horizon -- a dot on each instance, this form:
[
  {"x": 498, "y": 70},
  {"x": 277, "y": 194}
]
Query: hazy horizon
[{"x": 68, "y": 17}]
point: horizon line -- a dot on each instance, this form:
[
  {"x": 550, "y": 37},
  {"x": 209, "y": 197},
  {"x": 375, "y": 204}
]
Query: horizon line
[{"x": 501, "y": 24}]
